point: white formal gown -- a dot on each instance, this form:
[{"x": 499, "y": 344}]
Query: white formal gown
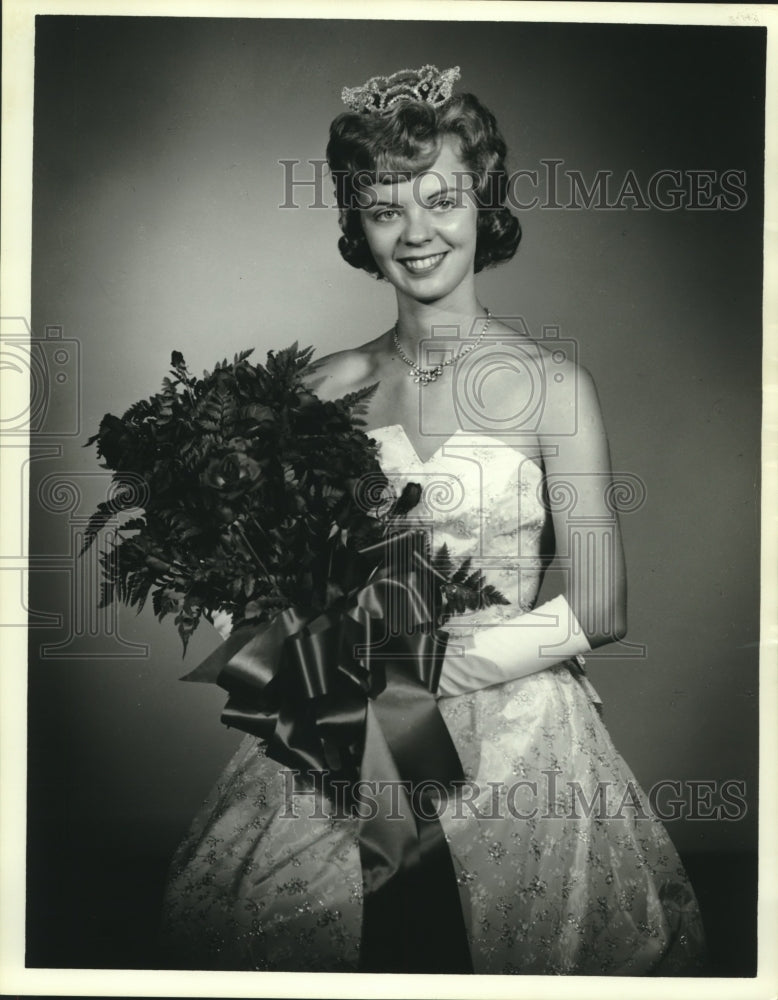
[{"x": 545, "y": 887}]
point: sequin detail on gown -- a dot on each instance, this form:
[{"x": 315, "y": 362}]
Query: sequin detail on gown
[{"x": 562, "y": 868}]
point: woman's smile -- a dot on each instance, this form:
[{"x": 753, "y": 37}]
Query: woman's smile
[
  {"x": 422, "y": 265},
  {"x": 422, "y": 230}
]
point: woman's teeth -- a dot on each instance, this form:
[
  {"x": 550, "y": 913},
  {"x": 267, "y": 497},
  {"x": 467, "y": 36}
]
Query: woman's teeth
[{"x": 421, "y": 264}]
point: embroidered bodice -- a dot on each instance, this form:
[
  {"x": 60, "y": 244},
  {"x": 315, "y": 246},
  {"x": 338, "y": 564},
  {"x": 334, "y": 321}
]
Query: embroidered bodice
[{"x": 484, "y": 499}]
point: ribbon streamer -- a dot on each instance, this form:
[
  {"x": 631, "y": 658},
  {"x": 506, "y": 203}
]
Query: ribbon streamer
[{"x": 350, "y": 692}]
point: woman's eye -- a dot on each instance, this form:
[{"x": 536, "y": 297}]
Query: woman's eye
[
  {"x": 385, "y": 215},
  {"x": 445, "y": 204}
]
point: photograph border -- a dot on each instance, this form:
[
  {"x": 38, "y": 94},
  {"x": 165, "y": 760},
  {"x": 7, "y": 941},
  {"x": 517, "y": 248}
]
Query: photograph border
[{"x": 15, "y": 286}]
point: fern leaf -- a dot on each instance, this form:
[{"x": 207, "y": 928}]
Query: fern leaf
[
  {"x": 442, "y": 562},
  {"x": 490, "y": 595},
  {"x": 107, "y": 594},
  {"x": 462, "y": 572}
]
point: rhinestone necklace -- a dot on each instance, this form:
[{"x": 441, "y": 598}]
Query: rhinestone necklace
[{"x": 426, "y": 375}]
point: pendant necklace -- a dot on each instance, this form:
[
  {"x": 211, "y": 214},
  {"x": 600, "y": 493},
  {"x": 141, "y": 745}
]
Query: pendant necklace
[{"x": 426, "y": 375}]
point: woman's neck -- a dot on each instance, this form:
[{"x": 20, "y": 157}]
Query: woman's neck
[{"x": 416, "y": 320}]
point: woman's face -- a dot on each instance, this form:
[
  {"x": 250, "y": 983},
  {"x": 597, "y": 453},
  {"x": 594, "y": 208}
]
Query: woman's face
[{"x": 422, "y": 230}]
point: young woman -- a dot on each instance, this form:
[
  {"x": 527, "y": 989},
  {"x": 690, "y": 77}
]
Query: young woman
[{"x": 561, "y": 867}]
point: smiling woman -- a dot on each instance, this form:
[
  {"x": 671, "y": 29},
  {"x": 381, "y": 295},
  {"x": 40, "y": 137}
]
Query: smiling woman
[
  {"x": 446, "y": 155},
  {"x": 560, "y": 863},
  {"x": 423, "y": 236}
]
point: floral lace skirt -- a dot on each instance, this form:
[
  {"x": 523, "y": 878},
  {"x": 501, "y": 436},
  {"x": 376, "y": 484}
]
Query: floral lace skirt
[{"x": 561, "y": 866}]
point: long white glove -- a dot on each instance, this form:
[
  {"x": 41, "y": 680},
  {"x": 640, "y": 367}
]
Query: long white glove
[{"x": 498, "y": 653}]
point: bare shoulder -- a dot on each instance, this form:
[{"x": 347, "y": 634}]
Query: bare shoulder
[
  {"x": 538, "y": 371},
  {"x": 534, "y": 384},
  {"x": 568, "y": 386},
  {"x": 570, "y": 426},
  {"x": 345, "y": 371}
]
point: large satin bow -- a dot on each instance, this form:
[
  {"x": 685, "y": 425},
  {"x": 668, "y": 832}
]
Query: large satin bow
[{"x": 349, "y": 693}]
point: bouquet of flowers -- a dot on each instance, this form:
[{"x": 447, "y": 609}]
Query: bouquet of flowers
[
  {"x": 242, "y": 474},
  {"x": 249, "y": 483}
]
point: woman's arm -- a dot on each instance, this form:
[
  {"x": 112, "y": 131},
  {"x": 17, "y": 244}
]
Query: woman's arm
[
  {"x": 579, "y": 483},
  {"x": 591, "y": 611}
]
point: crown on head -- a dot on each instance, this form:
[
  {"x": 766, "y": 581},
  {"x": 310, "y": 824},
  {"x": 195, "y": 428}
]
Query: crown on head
[{"x": 428, "y": 84}]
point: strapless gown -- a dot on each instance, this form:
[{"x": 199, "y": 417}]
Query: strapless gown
[{"x": 562, "y": 868}]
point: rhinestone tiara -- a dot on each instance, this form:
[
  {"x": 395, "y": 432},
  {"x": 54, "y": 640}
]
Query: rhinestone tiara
[{"x": 428, "y": 84}]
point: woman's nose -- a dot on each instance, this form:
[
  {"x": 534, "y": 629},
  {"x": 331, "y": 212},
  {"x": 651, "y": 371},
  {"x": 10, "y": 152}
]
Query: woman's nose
[{"x": 417, "y": 228}]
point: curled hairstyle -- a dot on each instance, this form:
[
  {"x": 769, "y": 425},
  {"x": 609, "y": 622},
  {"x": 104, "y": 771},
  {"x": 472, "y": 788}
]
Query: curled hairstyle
[{"x": 407, "y": 140}]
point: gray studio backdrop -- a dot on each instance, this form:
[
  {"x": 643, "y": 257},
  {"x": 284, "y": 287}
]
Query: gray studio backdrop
[{"x": 157, "y": 226}]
